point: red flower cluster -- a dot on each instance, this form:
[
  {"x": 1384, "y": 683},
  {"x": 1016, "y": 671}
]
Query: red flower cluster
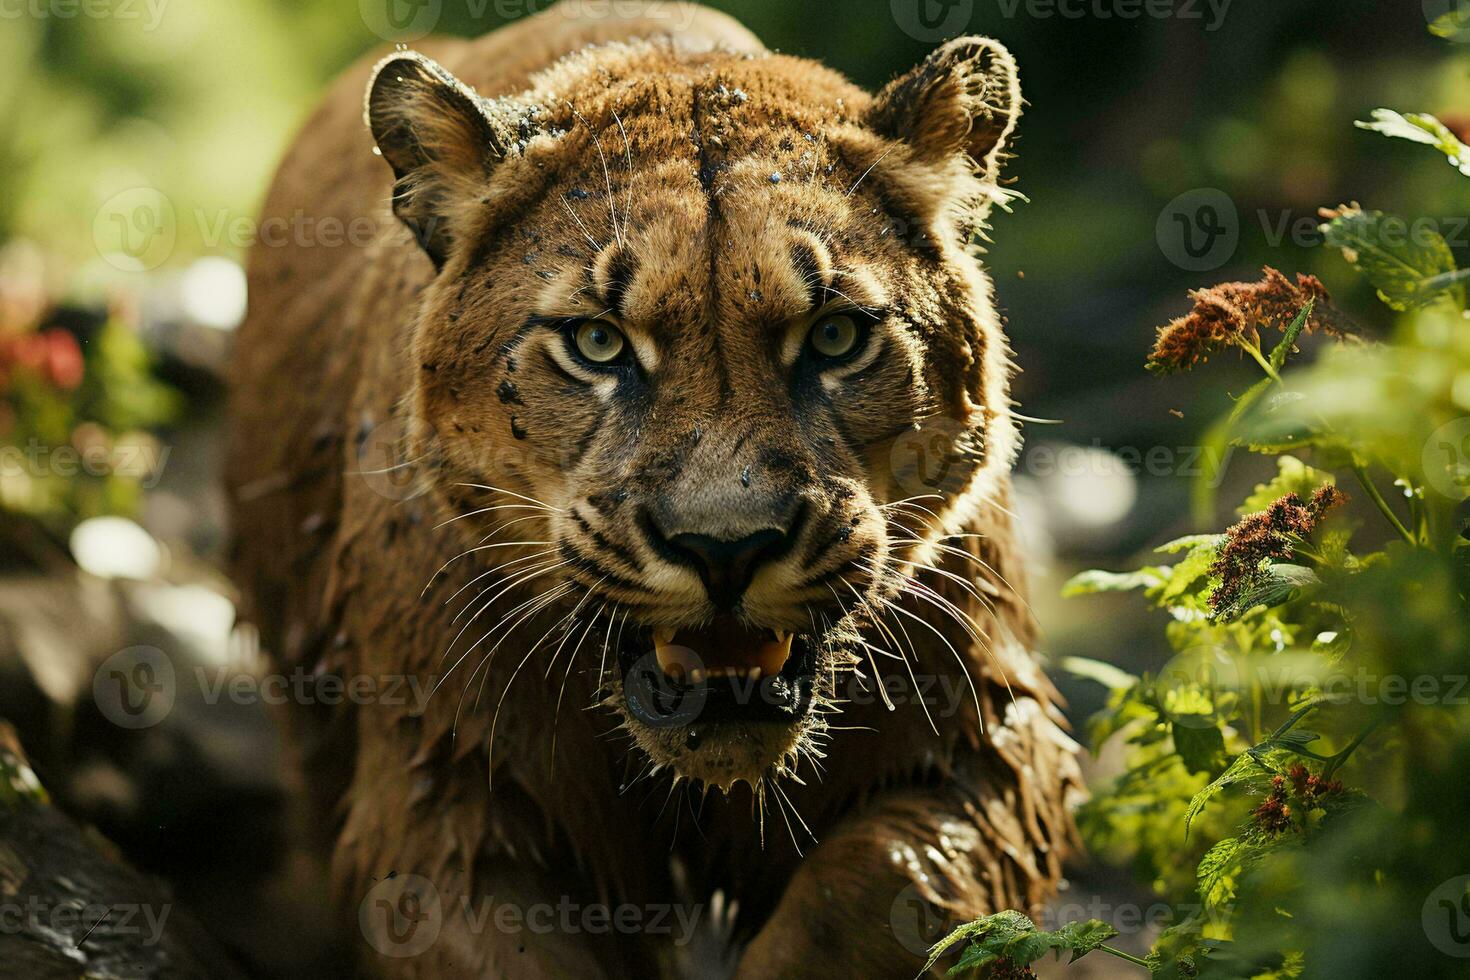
[
  {"x": 1309, "y": 786},
  {"x": 1226, "y": 314},
  {"x": 1264, "y": 536},
  {"x": 53, "y": 354},
  {"x": 1274, "y": 815}
]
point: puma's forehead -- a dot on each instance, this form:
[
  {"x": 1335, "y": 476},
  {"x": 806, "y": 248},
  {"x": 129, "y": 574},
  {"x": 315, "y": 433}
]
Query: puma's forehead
[{"x": 669, "y": 264}]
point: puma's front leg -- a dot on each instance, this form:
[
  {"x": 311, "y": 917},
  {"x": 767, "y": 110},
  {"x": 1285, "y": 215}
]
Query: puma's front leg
[
  {"x": 459, "y": 882},
  {"x": 893, "y": 878}
]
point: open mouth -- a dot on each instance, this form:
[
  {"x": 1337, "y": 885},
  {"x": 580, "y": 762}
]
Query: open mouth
[{"x": 724, "y": 671}]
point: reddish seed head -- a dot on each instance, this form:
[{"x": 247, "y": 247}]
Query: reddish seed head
[{"x": 1226, "y": 314}]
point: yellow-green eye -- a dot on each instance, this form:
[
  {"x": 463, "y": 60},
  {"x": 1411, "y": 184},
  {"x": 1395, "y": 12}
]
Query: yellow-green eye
[
  {"x": 834, "y": 336},
  {"x": 599, "y": 341}
]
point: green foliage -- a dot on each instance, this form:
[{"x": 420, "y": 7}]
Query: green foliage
[
  {"x": 1292, "y": 476},
  {"x": 1422, "y": 128},
  {"x": 1453, "y": 24},
  {"x": 1292, "y": 774},
  {"x": 1009, "y": 939},
  {"x": 1410, "y": 266},
  {"x": 18, "y": 784}
]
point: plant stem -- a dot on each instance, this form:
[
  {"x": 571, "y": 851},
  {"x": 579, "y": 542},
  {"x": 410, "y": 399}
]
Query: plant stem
[
  {"x": 1260, "y": 359},
  {"x": 1123, "y": 956},
  {"x": 1367, "y": 483},
  {"x": 1337, "y": 760}
]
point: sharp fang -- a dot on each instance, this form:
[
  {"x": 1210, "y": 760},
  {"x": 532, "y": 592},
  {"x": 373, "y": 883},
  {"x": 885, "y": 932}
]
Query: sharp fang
[{"x": 773, "y": 656}]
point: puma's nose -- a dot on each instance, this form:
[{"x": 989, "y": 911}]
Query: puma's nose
[{"x": 727, "y": 567}]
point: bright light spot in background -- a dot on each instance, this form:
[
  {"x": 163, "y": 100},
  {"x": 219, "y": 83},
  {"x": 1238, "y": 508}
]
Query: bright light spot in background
[
  {"x": 115, "y": 547},
  {"x": 1090, "y": 487},
  {"x": 194, "y": 612},
  {"x": 213, "y": 293}
]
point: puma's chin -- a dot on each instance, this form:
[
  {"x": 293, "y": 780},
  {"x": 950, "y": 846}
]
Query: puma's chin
[{"x": 719, "y": 704}]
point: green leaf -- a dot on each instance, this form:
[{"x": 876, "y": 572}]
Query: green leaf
[
  {"x": 991, "y": 931},
  {"x": 1292, "y": 476},
  {"x": 1410, "y": 266},
  {"x": 1096, "y": 580},
  {"x": 1105, "y": 674},
  {"x": 973, "y": 958},
  {"x": 1281, "y": 351},
  {"x": 1012, "y": 936},
  {"x": 1296, "y": 738},
  {"x": 1218, "y": 871},
  {"x": 1276, "y": 584},
  {"x": 1117, "y": 716},
  {"x": 1201, "y": 746},
  {"x": 1084, "y": 937},
  {"x": 1454, "y": 25},
  {"x": 1191, "y": 541},
  {"x": 18, "y": 782},
  {"x": 1194, "y": 567},
  {"x": 1420, "y": 127},
  {"x": 1244, "y": 767}
]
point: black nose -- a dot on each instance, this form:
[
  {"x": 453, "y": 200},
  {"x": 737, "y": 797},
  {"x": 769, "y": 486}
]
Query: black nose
[{"x": 726, "y": 567}]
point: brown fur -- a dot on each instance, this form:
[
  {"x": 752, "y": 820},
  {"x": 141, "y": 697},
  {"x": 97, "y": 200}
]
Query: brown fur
[{"x": 709, "y": 194}]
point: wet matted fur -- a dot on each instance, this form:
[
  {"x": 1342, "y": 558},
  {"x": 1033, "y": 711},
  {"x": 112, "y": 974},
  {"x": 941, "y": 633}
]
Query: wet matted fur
[{"x": 430, "y": 482}]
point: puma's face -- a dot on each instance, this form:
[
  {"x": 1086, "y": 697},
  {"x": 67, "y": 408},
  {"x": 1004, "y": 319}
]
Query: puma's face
[{"x": 685, "y": 310}]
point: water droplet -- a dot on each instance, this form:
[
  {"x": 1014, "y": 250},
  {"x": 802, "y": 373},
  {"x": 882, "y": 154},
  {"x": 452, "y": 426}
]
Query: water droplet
[{"x": 745, "y": 477}]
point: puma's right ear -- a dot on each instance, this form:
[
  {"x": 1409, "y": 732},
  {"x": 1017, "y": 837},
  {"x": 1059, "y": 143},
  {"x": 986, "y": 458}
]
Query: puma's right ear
[
  {"x": 964, "y": 98},
  {"x": 441, "y": 139}
]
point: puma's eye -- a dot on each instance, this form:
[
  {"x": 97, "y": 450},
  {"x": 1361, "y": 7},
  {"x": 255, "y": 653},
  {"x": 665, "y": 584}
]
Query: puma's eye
[
  {"x": 834, "y": 336},
  {"x": 599, "y": 341}
]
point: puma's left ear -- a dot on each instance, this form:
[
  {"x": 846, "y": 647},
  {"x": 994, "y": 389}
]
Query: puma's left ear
[
  {"x": 441, "y": 139},
  {"x": 963, "y": 98}
]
